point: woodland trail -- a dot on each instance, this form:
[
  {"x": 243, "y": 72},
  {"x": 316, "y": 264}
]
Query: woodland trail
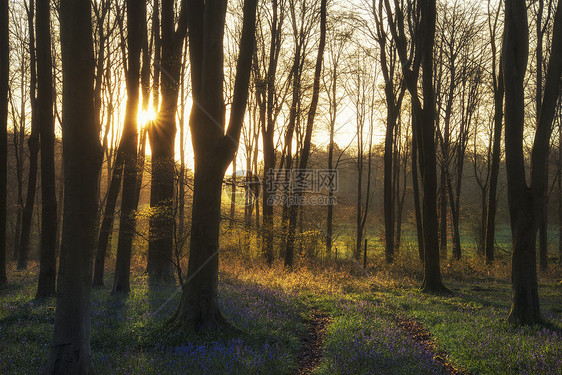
[
  {"x": 419, "y": 334},
  {"x": 312, "y": 341}
]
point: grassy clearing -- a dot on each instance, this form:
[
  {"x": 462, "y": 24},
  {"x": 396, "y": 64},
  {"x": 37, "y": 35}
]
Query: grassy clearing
[
  {"x": 469, "y": 325},
  {"x": 128, "y": 338},
  {"x": 270, "y": 305}
]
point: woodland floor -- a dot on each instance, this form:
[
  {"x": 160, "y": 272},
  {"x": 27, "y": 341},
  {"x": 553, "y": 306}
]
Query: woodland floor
[{"x": 330, "y": 319}]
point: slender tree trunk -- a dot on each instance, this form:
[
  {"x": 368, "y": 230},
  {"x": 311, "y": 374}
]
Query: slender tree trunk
[
  {"x": 4, "y": 76},
  {"x": 496, "y": 150},
  {"x": 106, "y": 228},
  {"x": 482, "y": 229},
  {"x": 543, "y": 230},
  {"x": 266, "y": 108},
  {"x": 560, "y": 190},
  {"x": 308, "y": 134},
  {"x": 268, "y": 194},
  {"x": 415, "y": 188},
  {"x": 233, "y": 194},
  {"x": 19, "y": 139},
  {"x": 159, "y": 262},
  {"x": 401, "y": 198},
  {"x": 330, "y": 214},
  {"x": 181, "y": 176},
  {"x": 442, "y": 193},
  {"x": 162, "y": 144},
  {"x": 455, "y": 216},
  {"x": 388, "y": 169},
  {"x": 70, "y": 349},
  {"x": 135, "y": 19},
  {"x": 145, "y": 86},
  {"x": 48, "y": 259},
  {"x": 359, "y": 203},
  {"x": 33, "y": 144},
  {"x": 543, "y": 220}
]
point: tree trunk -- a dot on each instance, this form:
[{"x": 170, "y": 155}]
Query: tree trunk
[
  {"x": 19, "y": 137},
  {"x": 48, "y": 259},
  {"x": 359, "y": 203},
  {"x": 233, "y": 194},
  {"x": 33, "y": 144},
  {"x": 524, "y": 208},
  {"x": 525, "y": 299},
  {"x": 388, "y": 169},
  {"x": 442, "y": 193},
  {"x": 330, "y": 214},
  {"x": 213, "y": 152},
  {"x": 525, "y": 294},
  {"x": 135, "y": 20},
  {"x": 496, "y": 151},
  {"x": 543, "y": 220},
  {"x": 543, "y": 230},
  {"x": 159, "y": 261},
  {"x": 145, "y": 86},
  {"x": 4, "y": 76},
  {"x": 432, "y": 272},
  {"x": 70, "y": 349},
  {"x": 162, "y": 144},
  {"x": 560, "y": 190},
  {"x": 455, "y": 216},
  {"x": 401, "y": 198},
  {"x": 106, "y": 228},
  {"x": 199, "y": 301},
  {"x": 265, "y": 97},
  {"x": 268, "y": 195},
  {"x": 19, "y": 140},
  {"x": 305, "y": 152},
  {"x": 415, "y": 188}
]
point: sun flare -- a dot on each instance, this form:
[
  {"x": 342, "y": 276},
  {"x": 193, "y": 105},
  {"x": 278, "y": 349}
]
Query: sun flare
[{"x": 145, "y": 117}]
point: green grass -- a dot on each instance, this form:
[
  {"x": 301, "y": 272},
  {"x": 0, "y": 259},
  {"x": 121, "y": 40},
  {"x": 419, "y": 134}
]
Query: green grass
[
  {"x": 270, "y": 306},
  {"x": 127, "y": 337},
  {"x": 470, "y": 326}
]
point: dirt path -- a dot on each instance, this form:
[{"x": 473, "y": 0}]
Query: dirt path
[
  {"x": 418, "y": 333},
  {"x": 311, "y": 353}
]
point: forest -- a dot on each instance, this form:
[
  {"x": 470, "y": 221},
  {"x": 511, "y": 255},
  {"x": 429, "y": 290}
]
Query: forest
[{"x": 280, "y": 187}]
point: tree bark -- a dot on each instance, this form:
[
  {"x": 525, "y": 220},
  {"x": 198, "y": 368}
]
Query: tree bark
[
  {"x": 19, "y": 139},
  {"x": 526, "y": 204},
  {"x": 106, "y": 228},
  {"x": 4, "y": 76},
  {"x": 265, "y": 97},
  {"x": 389, "y": 209},
  {"x": 135, "y": 19},
  {"x": 305, "y": 152},
  {"x": 496, "y": 150},
  {"x": 560, "y": 188},
  {"x": 543, "y": 221},
  {"x": 415, "y": 188},
  {"x": 33, "y": 144},
  {"x": 162, "y": 144},
  {"x": 432, "y": 272},
  {"x": 330, "y": 213},
  {"x": 442, "y": 194},
  {"x": 48, "y": 259},
  {"x": 70, "y": 349},
  {"x": 525, "y": 299},
  {"x": 213, "y": 151}
]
